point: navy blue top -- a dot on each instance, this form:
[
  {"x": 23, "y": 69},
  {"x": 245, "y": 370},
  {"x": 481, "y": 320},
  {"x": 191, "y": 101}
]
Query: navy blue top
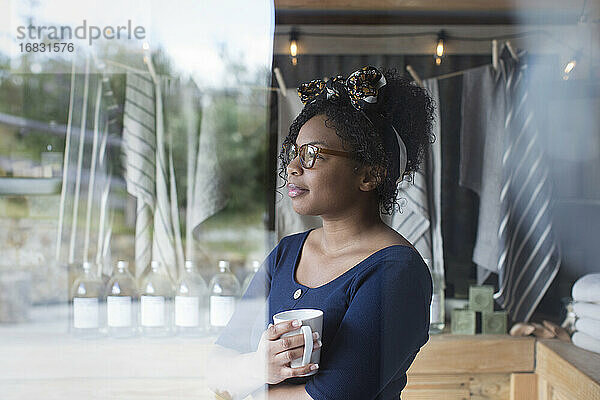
[{"x": 376, "y": 318}]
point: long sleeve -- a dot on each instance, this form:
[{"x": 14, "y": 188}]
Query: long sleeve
[{"x": 386, "y": 323}]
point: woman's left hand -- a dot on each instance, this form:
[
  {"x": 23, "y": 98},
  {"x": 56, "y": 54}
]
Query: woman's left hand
[{"x": 276, "y": 353}]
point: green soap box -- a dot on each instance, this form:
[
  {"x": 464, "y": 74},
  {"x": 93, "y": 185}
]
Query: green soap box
[
  {"x": 462, "y": 322},
  {"x": 481, "y": 298},
  {"x": 493, "y": 323}
]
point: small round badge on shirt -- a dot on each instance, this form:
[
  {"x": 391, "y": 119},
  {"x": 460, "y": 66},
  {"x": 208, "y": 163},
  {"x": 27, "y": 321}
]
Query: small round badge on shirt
[{"x": 297, "y": 293}]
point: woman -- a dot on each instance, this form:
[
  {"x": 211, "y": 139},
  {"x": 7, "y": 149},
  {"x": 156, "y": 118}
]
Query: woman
[{"x": 353, "y": 141}]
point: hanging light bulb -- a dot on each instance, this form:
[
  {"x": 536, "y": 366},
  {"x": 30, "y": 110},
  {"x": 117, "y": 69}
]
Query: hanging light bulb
[
  {"x": 294, "y": 46},
  {"x": 571, "y": 64},
  {"x": 439, "y": 50}
]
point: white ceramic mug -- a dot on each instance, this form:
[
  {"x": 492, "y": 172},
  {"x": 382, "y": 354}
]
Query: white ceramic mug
[{"x": 312, "y": 321}]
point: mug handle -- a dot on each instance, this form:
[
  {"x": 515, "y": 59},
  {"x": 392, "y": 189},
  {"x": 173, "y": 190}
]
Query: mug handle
[{"x": 308, "y": 344}]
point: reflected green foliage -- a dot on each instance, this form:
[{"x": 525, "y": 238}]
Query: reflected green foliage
[{"x": 241, "y": 129}]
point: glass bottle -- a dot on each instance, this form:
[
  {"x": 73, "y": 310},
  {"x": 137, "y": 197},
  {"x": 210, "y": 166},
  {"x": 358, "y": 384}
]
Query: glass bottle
[
  {"x": 191, "y": 302},
  {"x": 224, "y": 293},
  {"x": 437, "y": 313},
  {"x": 156, "y": 297},
  {"x": 121, "y": 297},
  {"x": 86, "y": 295},
  {"x": 255, "y": 268}
]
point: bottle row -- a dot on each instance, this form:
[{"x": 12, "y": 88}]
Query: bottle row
[{"x": 157, "y": 306}]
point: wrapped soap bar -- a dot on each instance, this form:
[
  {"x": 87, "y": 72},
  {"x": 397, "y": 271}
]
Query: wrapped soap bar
[
  {"x": 493, "y": 323},
  {"x": 463, "y": 322},
  {"x": 481, "y": 298}
]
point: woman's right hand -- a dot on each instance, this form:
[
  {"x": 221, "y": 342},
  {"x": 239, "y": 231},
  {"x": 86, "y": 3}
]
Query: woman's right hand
[{"x": 276, "y": 353}]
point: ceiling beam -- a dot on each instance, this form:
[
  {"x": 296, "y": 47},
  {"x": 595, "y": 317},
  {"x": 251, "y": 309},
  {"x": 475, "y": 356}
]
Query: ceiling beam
[
  {"x": 430, "y": 5},
  {"x": 435, "y": 17}
]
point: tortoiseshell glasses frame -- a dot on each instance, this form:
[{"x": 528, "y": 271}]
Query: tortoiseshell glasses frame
[{"x": 308, "y": 154}]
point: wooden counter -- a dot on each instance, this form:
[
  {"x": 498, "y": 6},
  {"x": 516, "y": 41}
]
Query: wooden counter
[
  {"x": 43, "y": 361},
  {"x": 468, "y": 354},
  {"x": 501, "y": 367},
  {"x": 468, "y": 367},
  {"x": 40, "y": 365},
  {"x": 60, "y": 367},
  {"x": 566, "y": 372}
]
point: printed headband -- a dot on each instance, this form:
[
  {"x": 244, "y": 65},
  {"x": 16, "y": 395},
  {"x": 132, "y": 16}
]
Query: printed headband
[{"x": 362, "y": 87}]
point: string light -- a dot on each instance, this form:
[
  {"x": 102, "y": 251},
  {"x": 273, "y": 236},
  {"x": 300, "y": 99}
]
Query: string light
[
  {"x": 571, "y": 64},
  {"x": 294, "y": 46},
  {"x": 441, "y": 41},
  {"x": 440, "y": 47},
  {"x": 439, "y": 50}
]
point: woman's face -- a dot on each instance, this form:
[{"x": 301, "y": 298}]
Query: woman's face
[{"x": 331, "y": 185}]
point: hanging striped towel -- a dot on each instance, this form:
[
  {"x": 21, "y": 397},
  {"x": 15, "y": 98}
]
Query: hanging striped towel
[
  {"x": 210, "y": 189},
  {"x": 191, "y": 102},
  {"x": 112, "y": 129},
  {"x": 529, "y": 256},
  {"x": 139, "y": 148},
  {"x": 420, "y": 200},
  {"x": 163, "y": 243},
  {"x": 413, "y": 221},
  {"x": 175, "y": 216},
  {"x": 434, "y": 182}
]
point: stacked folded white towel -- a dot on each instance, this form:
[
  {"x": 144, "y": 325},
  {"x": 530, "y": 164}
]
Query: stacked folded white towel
[{"x": 586, "y": 306}]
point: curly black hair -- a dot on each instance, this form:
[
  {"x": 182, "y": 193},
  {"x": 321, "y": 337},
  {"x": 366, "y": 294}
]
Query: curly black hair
[{"x": 407, "y": 106}]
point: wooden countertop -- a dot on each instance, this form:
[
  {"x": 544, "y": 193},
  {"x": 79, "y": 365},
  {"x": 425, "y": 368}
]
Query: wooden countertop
[
  {"x": 41, "y": 359},
  {"x": 465, "y": 354},
  {"x": 569, "y": 369}
]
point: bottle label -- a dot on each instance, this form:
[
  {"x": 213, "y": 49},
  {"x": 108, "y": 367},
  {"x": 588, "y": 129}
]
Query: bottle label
[
  {"x": 85, "y": 312},
  {"x": 221, "y": 309},
  {"x": 153, "y": 311},
  {"x": 119, "y": 311},
  {"x": 435, "y": 315},
  {"x": 187, "y": 311}
]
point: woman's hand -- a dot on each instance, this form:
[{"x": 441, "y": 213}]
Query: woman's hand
[{"x": 275, "y": 353}]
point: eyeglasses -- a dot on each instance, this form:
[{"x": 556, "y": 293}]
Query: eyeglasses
[{"x": 308, "y": 154}]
